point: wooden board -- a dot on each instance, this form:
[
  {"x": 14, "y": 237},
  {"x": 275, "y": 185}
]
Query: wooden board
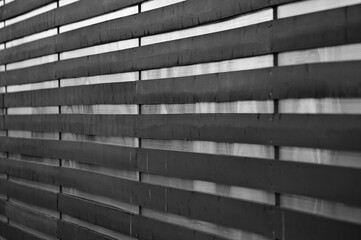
[
  {"x": 19, "y": 7},
  {"x": 61, "y": 16},
  {"x": 179, "y": 16},
  {"x": 308, "y": 31},
  {"x": 338, "y": 132},
  {"x": 320, "y": 80}
]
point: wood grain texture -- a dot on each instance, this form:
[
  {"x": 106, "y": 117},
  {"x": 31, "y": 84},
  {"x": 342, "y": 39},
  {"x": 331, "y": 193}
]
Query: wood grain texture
[
  {"x": 90, "y": 212},
  {"x": 94, "y": 183},
  {"x": 324, "y": 182},
  {"x": 327, "y": 131},
  {"x": 214, "y": 209},
  {"x": 339, "y": 132},
  {"x": 266, "y": 219},
  {"x": 34, "y": 196},
  {"x": 100, "y": 125},
  {"x": 172, "y": 194},
  {"x": 146, "y": 228},
  {"x": 163, "y": 199},
  {"x": 12, "y": 233},
  {"x": 18, "y": 7},
  {"x": 321, "y": 80},
  {"x": 175, "y": 17},
  {"x": 125, "y": 223},
  {"x": 112, "y": 93},
  {"x": 298, "y": 226},
  {"x": 67, "y": 230},
  {"x": 86, "y": 152},
  {"x": 60, "y": 16},
  {"x": 308, "y": 31},
  {"x": 33, "y": 220}
]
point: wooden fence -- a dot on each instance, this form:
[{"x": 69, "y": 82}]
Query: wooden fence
[{"x": 196, "y": 119}]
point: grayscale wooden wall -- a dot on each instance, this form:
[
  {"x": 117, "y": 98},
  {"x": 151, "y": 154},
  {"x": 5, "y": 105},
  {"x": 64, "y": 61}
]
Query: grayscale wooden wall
[{"x": 180, "y": 119}]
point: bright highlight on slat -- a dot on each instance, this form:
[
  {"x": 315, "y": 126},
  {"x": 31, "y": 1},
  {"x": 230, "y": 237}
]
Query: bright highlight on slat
[
  {"x": 103, "y": 18},
  {"x": 86, "y": 225},
  {"x": 33, "y": 13},
  {"x": 211, "y": 188},
  {"x": 109, "y": 47},
  {"x": 118, "y": 141},
  {"x": 154, "y": 4},
  {"x": 206, "y": 68},
  {"x": 321, "y": 106},
  {"x": 33, "y": 110},
  {"x": 30, "y": 38},
  {"x": 310, "y": 6},
  {"x": 241, "y": 21},
  {"x": 32, "y": 86},
  {"x": 326, "y": 54},
  {"x": 32, "y": 62},
  {"x": 120, "y": 109},
  {"x": 321, "y": 156},
  {"x": 231, "y": 149},
  {"x": 35, "y": 135},
  {"x": 119, "y": 77},
  {"x": 210, "y": 107},
  {"x": 66, "y": 2}
]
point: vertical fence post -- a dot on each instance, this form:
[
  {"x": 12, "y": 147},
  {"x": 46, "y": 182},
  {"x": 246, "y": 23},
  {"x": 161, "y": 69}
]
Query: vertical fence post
[
  {"x": 6, "y": 131},
  {"x": 276, "y": 111},
  {"x": 59, "y": 112}
]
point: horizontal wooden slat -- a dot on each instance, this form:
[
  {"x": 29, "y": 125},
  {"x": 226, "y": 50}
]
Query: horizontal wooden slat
[
  {"x": 339, "y": 132},
  {"x": 215, "y": 209},
  {"x": 258, "y": 218},
  {"x": 35, "y": 196},
  {"x": 12, "y": 233},
  {"x": 86, "y": 152},
  {"x": 249, "y": 216},
  {"x": 323, "y": 182},
  {"x": 125, "y": 223},
  {"x": 316, "y": 131},
  {"x": 323, "y": 80},
  {"x": 112, "y": 93},
  {"x": 300, "y": 226},
  {"x": 318, "y": 181},
  {"x": 91, "y": 182},
  {"x": 105, "y": 125},
  {"x": 68, "y": 230},
  {"x": 308, "y": 31},
  {"x": 18, "y": 7},
  {"x": 320, "y": 80},
  {"x": 61, "y": 16},
  {"x": 170, "y": 18},
  {"x": 30, "y": 171},
  {"x": 145, "y": 228},
  {"x": 90, "y": 212},
  {"x": 36, "y": 221}
]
